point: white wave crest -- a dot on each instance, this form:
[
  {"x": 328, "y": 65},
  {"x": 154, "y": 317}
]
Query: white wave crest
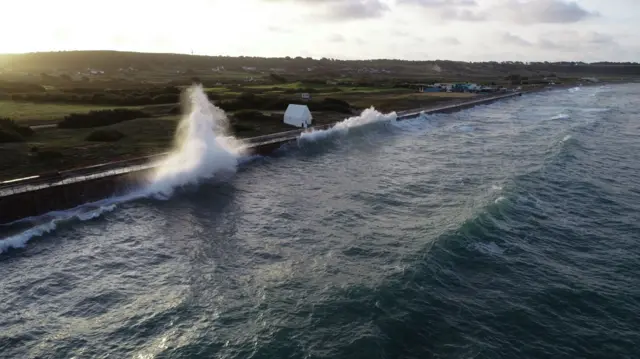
[
  {"x": 203, "y": 150},
  {"x": 82, "y": 213},
  {"x": 368, "y": 116}
]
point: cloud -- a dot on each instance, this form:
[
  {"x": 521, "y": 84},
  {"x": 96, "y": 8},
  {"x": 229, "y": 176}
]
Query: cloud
[
  {"x": 448, "y": 9},
  {"x": 357, "y": 9},
  {"x": 336, "y": 38},
  {"x": 512, "y": 39},
  {"x": 571, "y": 41},
  {"x": 452, "y": 13},
  {"x": 400, "y": 33},
  {"x": 597, "y": 38},
  {"x": 341, "y": 10},
  {"x": 450, "y": 40},
  {"x": 524, "y": 12},
  {"x": 438, "y": 3},
  {"x": 280, "y": 30},
  {"x": 541, "y": 11},
  {"x": 565, "y": 41}
]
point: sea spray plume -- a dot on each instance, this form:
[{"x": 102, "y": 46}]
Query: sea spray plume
[
  {"x": 203, "y": 149},
  {"x": 368, "y": 116}
]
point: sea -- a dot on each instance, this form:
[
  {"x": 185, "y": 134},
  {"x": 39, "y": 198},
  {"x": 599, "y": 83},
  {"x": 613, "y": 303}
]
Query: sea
[{"x": 508, "y": 230}]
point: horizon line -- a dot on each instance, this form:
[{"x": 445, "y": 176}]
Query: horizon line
[{"x": 307, "y": 57}]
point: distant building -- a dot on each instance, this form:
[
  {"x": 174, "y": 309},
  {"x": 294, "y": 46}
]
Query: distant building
[
  {"x": 306, "y": 96},
  {"x": 473, "y": 87},
  {"x": 298, "y": 116}
]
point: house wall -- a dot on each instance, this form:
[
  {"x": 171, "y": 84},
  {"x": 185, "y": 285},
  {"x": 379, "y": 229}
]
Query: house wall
[{"x": 297, "y": 121}]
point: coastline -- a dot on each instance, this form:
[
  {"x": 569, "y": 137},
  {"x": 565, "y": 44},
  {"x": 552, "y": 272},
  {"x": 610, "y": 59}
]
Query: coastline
[
  {"x": 252, "y": 142},
  {"x": 119, "y": 164},
  {"x": 36, "y": 195}
]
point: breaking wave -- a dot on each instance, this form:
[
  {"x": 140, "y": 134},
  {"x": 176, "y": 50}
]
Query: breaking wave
[
  {"x": 368, "y": 116},
  {"x": 203, "y": 149}
]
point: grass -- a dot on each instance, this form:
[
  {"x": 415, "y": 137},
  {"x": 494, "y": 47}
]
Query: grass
[
  {"x": 291, "y": 85},
  {"x": 141, "y": 137},
  {"x": 448, "y": 94},
  {"x": 42, "y": 113}
]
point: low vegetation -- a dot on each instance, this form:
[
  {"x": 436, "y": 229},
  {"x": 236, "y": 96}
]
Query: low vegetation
[
  {"x": 105, "y": 135},
  {"x": 10, "y": 131},
  {"x": 28, "y": 113},
  {"x": 105, "y": 106},
  {"x": 99, "y": 118}
]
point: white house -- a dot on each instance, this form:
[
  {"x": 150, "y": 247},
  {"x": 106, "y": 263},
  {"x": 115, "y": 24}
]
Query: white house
[{"x": 298, "y": 116}]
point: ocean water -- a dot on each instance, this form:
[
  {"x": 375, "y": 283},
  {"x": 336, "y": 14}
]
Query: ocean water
[{"x": 510, "y": 230}]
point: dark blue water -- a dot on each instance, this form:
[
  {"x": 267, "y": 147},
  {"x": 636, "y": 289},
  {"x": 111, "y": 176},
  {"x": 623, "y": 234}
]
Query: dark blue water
[{"x": 505, "y": 231}]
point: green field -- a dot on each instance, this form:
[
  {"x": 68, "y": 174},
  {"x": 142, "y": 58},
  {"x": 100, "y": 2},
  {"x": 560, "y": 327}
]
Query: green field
[{"x": 41, "y": 113}]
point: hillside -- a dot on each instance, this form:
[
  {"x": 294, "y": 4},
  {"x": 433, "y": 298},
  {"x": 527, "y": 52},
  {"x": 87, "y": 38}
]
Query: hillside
[
  {"x": 89, "y": 107},
  {"x": 159, "y": 68}
]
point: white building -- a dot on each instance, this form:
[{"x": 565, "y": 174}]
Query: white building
[{"x": 298, "y": 116}]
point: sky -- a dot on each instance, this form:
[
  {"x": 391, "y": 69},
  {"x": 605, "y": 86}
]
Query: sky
[{"x": 467, "y": 30}]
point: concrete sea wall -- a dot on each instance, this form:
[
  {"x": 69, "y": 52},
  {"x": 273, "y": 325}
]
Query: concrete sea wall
[{"x": 39, "y": 195}]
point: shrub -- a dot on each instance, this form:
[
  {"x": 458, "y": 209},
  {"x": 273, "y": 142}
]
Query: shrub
[
  {"x": 249, "y": 115},
  {"x": 48, "y": 155},
  {"x": 239, "y": 128},
  {"x": 9, "y": 136},
  {"x": 166, "y": 98},
  {"x": 17, "y": 87},
  {"x": 277, "y": 78},
  {"x": 105, "y": 135},
  {"x": 9, "y": 125},
  {"x": 100, "y": 118},
  {"x": 171, "y": 90},
  {"x": 337, "y": 102},
  {"x": 332, "y": 104}
]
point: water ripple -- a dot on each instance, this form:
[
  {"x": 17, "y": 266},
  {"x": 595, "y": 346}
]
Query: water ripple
[{"x": 504, "y": 231}]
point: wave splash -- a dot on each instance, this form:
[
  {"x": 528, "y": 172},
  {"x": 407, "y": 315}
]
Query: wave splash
[
  {"x": 203, "y": 150},
  {"x": 368, "y": 116}
]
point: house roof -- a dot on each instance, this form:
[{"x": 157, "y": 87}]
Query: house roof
[{"x": 297, "y": 110}]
